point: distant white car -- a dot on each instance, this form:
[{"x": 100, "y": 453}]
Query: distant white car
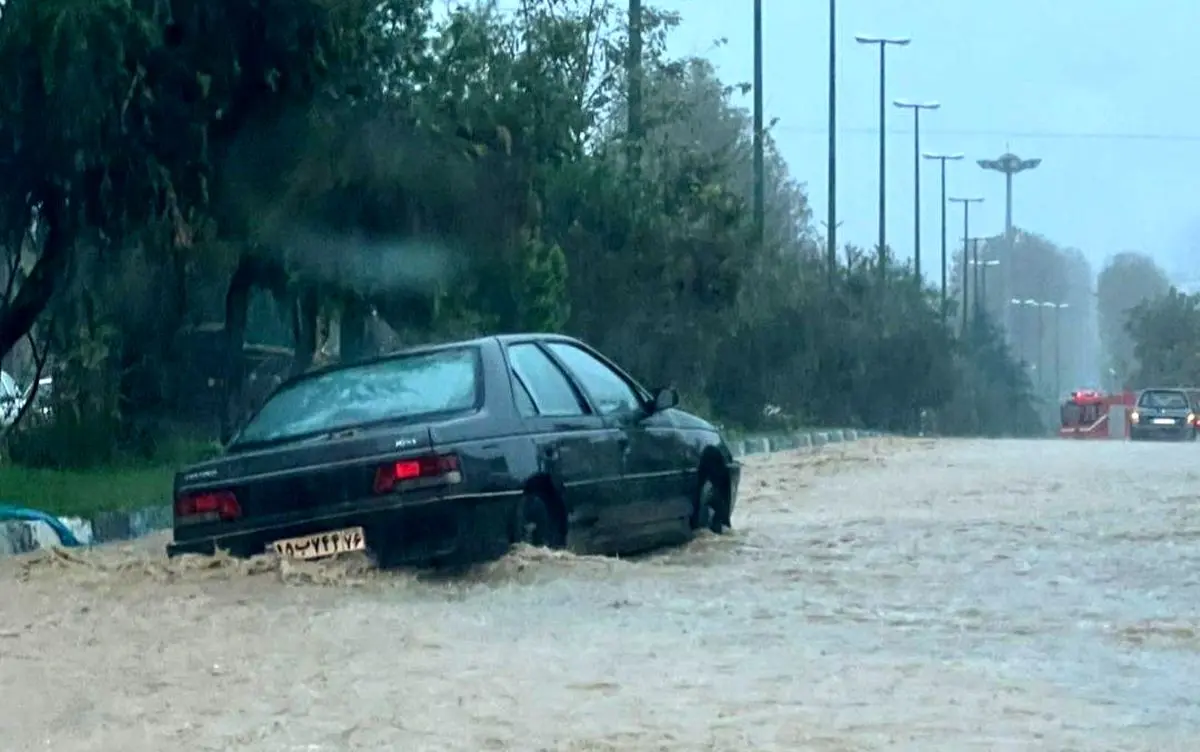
[{"x": 11, "y": 399}]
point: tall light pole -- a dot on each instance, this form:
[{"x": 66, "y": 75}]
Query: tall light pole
[
  {"x": 1058, "y": 309},
  {"x": 760, "y": 211},
  {"x": 883, "y": 43},
  {"x": 966, "y": 205},
  {"x": 831, "y": 222},
  {"x": 975, "y": 274},
  {"x": 916, "y": 108},
  {"x": 1039, "y": 306},
  {"x": 943, "y": 158},
  {"x": 831, "y": 232},
  {"x": 1008, "y": 164},
  {"x": 981, "y": 267},
  {"x": 634, "y": 74}
]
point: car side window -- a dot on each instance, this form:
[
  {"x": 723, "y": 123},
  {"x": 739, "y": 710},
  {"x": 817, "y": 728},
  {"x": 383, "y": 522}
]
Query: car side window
[
  {"x": 524, "y": 400},
  {"x": 548, "y": 386},
  {"x": 611, "y": 392},
  {"x": 8, "y": 386}
]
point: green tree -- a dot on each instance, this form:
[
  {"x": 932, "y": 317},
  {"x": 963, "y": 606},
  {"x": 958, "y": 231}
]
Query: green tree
[
  {"x": 1127, "y": 280},
  {"x": 349, "y": 165},
  {"x": 1165, "y": 336}
]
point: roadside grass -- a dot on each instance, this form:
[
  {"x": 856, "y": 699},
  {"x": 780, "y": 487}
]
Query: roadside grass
[{"x": 83, "y": 493}]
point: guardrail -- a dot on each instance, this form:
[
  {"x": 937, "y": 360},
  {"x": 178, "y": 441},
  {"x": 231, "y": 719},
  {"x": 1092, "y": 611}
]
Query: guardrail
[{"x": 23, "y": 530}]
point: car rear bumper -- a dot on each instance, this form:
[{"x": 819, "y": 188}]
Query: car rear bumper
[
  {"x": 1161, "y": 432},
  {"x": 465, "y": 526}
]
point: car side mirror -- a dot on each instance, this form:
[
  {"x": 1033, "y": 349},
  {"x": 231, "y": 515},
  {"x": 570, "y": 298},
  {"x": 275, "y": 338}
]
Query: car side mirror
[{"x": 663, "y": 398}]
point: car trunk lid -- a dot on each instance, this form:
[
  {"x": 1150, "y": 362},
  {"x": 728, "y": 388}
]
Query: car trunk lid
[{"x": 310, "y": 474}]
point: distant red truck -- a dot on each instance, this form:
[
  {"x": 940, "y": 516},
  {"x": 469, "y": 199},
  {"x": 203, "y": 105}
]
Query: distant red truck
[{"x": 1092, "y": 414}]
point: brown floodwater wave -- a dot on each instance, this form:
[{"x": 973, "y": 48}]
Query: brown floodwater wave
[{"x": 890, "y": 594}]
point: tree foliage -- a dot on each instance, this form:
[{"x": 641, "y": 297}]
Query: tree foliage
[
  {"x": 1127, "y": 280},
  {"x": 1016, "y": 295},
  {"x": 1165, "y": 335},
  {"x": 345, "y": 172}
]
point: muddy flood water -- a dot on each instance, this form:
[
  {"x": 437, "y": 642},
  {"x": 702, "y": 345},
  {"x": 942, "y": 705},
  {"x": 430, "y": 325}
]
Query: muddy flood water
[{"x": 891, "y": 594}]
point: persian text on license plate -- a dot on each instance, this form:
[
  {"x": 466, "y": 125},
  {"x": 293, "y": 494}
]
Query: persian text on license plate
[
  {"x": 321, "y": 545},
  {"x": 1164, "y": 421}
]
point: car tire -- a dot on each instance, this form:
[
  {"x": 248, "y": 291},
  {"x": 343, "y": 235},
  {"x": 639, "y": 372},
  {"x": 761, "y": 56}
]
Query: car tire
[
  {"x": 711, "y": 510},
  {"x": 537, "y": 523}
]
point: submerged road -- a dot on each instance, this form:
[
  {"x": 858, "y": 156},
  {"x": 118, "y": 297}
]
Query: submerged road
[{"x": 891, "y": 594}]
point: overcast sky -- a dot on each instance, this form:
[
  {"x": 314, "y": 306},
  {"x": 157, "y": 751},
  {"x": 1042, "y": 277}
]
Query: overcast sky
[{"x": 1104, "y": 91}]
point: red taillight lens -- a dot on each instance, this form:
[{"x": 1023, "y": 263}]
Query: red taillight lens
[
  {"x": 220, "y": 504},
  {"x": 441, "y": 468}
]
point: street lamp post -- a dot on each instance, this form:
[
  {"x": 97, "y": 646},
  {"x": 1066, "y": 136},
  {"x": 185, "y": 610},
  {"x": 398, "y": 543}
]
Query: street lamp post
[
  {"x": 966, "y": 205},
  {"x": 1040, "y": 306},
  {"x": 916, "y": 108},
  {"x": 831, "y": 222},
  {"x": 943, "y": 158},
  {"x": 1008, "y": 164},
  {"x": 975, "y": 276},
  {"x": 760, "y": 176},
  {"x": 883, "y": 43},
  {"x": 981, "y": 267},
  {"x": 1058, "y": 309}
]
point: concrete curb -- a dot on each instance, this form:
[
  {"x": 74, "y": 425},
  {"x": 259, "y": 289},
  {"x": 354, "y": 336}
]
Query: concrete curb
[
  {"x": 108, "y": 527},
  {"x": 782, "y": 442}
]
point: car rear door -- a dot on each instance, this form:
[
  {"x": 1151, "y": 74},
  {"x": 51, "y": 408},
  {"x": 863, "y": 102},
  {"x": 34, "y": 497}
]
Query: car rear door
[
  {"x": 657, "y": 458},
  {"x": 575, "y": 445}
]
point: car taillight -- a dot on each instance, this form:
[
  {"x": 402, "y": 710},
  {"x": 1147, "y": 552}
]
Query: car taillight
[
  {"x": 430, "y": 469},
  {"x": 208, "y": 505}
]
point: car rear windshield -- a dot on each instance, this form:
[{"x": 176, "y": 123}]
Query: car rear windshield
[
  {"x": 1164, "y": 400},
  {"x": 398, "y": 388}
]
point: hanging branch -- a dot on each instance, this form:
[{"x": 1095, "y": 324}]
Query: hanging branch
[{"x": 40, "y": 355}]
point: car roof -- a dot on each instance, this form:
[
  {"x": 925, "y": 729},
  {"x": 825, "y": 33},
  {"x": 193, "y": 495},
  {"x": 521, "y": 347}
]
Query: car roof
[{"x": 498, "y": 339}]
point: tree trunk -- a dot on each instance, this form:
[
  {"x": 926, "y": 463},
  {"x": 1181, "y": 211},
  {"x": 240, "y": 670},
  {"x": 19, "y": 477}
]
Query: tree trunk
[
  {"x": 305, "y": 310},
  {"x": 237, "y": 302},
  {"x": 18, "y": 316},
  {"x": 354, "y": 330}
]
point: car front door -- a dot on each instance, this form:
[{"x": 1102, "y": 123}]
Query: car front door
[
  {"x": 575, "y": 446},
  {"x": 658, "y": 461}
]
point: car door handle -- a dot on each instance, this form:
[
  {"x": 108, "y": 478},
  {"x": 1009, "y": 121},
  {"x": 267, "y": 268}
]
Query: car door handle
[{"x": 550, "y": 453}]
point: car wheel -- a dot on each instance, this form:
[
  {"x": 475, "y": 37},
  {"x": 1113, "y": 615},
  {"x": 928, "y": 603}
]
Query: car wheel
[
  {"x": 539, "y": 526},
  {"x": 712, "y": 508}
]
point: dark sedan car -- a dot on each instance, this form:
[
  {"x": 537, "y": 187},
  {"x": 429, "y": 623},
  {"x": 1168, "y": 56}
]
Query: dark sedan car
[
  {"x": 455, "y": 452},
  {"x": 1163, "y": 414}
]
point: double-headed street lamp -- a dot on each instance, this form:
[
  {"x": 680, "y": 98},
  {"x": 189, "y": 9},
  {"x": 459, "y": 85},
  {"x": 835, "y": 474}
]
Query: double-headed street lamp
[
  {"x": 966, "y": 205},
  {"x": 980, "y": 274},
  {"x": 1058, "y": 308},
  {"x": 916, "y": 108},
  {"x": 943, "y": 158},
  {"x": 883, "y": 43}
]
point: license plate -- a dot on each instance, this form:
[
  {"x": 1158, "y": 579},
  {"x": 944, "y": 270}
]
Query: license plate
[
  {"x": 320, "y": 545},
  {"x": 1164, "y": 421}
]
